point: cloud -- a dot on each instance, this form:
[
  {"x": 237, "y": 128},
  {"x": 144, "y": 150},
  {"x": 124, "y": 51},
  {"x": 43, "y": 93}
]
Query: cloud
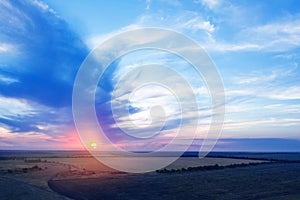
[
  {"x": 43, "y": 6},
  {"x": 283, "y": 108},
  {"x": 273, "y": 36},
  {"x": 40, "y": 56},
  {"x": 265, "y": 76},
  {"x": 36, "y": 140},
  {"x": 278, "y": 36},
  {"x": 48, "y": 56},
  {"x": 274, "y": 83},
  {"x": 271, "y": 92},
  {"x": 134, "y": 115},
  {"x": 6, "y": 48},
  {"x": 13, "y": 107},
  {"x": 197, "y": 23},
  {"x": 217, "y": 46},
  {"x": 283, "y": 93},
  {"x": 7, "y": 80},
  {"x": 184, "y": 21},
  {"x": 21, "y": 115},
  {"x": 148, "y": 3},
  {"x": 211, "y": 4},
  {"x": 255, "y": 79},
  {"x": 230, "y": 124}
]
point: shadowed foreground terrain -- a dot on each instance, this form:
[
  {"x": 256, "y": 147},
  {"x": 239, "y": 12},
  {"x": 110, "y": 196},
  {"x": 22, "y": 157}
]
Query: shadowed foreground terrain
[
  {"x": 221, "y": 175},
  {"x": 11, "y": 188},
  {"x": 272, "y": 181}
]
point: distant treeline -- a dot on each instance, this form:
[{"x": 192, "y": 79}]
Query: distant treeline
[
  {"x": 24, "y": 170},
  {"x": 253, "y": 158},
  {"x": 32, "y": 160},
  {"x": 216, "y": 166},
  {"x": 208, "y": 167},
  {"x": 248, "y": 156},
  {"x": 10, "y": 158}
]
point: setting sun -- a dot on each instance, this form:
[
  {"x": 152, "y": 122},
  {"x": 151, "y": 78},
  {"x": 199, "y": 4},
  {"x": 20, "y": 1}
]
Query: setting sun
[{"x": 93, "y": 145}]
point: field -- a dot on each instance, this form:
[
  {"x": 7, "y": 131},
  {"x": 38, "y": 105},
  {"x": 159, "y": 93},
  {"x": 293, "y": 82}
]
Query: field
[
  {"x": 276, "y": 181},
  {"x": 77, "y": 175}
]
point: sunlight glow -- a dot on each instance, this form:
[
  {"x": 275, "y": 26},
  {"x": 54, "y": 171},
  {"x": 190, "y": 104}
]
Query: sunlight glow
[{"x": 93, "y": 145}]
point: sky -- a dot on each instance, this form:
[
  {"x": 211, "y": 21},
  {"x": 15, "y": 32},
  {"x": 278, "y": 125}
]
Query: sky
[{"x": 255, "y": 46}]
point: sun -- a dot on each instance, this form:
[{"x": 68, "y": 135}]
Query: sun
[{"x": 93, "y": 145}]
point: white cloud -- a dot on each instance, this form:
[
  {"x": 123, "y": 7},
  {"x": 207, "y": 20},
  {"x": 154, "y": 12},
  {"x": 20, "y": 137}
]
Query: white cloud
[
  {"x": 240, "y": 107},
  {"x": 19, "y": 19},
  {"x": 283, "y": 108},
  {"x": 256, "y": 80},
  {"x": 7, "y": 80},
  {"x": 274, "y": 36},
  {"x": 277, "y": 36},
  {"x": 43, "y": 6},
  {"x": 14, "y": 107},
  {"x": 32, "y": 115},
  {"x": 230, "y": 47},
  {"x": 93, "y": 41},
  {"x": 275, "y": 93},
  {"x": 258, "y": 77},
  {"x": 211, "y": 4},
  {"x": 148, "y": 3},
  {"x": 40, "y": 4},
  {"x": 267, "y": 84},
  {"x": 7, "y": 48},
  {"x": 184, "y": 21},
  {"x": 197, "y": 23},
  {"x": 283, "y": 93},
  {"x": 21, "y": 136},
  {"x": 287, "y": 56},
  {"x": 234, "y": 124}
]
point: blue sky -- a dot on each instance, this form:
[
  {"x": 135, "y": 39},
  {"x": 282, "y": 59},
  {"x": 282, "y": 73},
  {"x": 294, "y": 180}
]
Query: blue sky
[{"x": 254, "y": 44}]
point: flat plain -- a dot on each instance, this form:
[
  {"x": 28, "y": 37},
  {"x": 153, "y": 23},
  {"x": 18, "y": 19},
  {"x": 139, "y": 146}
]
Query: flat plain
[{"x": 77, "y": 175}]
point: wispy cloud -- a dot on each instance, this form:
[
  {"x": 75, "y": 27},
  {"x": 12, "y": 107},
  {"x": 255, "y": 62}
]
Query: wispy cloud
[
  {"x": 230, "y": 124},
  {"x": 7, "y": 80},
  {"x": 184, "y": 21},
  {"x": 148, "y": 3},
  {"x": 6, "y": 48},
  {"x": 195, "y": 23},
  {"x": 265, "y": 76},
  {"x": 276, "y": 93},
  {"x": 272, "y": 84},
  {"x": 283, "y": 93},
  {"x": 211, "y": 4},
  {"x": 278, "y": 36},
  {"x": 217, "y": 46},
  {"x": 43, "y": 6}
]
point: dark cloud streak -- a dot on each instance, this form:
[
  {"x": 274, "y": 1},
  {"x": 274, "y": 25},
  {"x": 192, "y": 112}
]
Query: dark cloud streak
[{"x": 48, "y": 53}]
